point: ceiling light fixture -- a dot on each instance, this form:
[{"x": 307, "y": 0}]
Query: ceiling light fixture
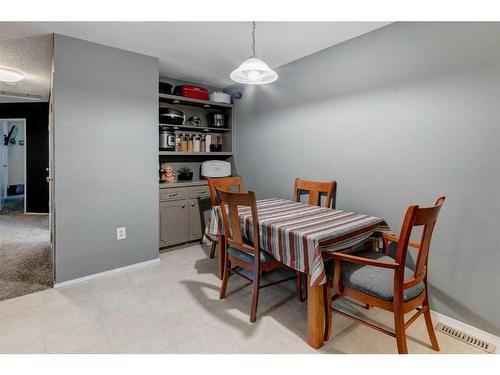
[
  {"x": 254, "y": 71},
  {"x": 10, "y": 76}
]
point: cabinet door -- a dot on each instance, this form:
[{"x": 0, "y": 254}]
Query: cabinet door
[
  {"x": 174, "y": 222},
  {"x": 195, "y": 222}
]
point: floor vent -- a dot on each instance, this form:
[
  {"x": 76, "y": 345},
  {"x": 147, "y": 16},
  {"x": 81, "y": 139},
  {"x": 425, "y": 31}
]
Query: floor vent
[{"x": 462, "y": 336}]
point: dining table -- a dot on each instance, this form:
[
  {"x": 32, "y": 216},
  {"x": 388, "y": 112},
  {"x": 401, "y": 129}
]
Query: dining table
[{"x": 300, "y": 236}]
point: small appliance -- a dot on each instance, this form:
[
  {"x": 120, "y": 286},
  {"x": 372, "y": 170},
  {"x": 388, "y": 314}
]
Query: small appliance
[
  {"x": 194, "y": 121},
  {"x": 191, "y": 91},
  {"x": 165, "y": 88},
  {"x": 171, "y": 116},
  {"x": 167, "y": 139},
  {"x": 220, "y": 97},
  {"x": 216, "y": 120},
  {"x": 215, "y": 168}
]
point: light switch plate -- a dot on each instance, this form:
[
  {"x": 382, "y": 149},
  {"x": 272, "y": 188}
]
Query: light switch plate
[{"x": 121, "y": 233}]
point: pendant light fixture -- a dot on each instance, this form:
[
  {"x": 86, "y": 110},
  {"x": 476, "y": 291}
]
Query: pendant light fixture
[
  {"x": 10, "y": 76},
  {"x": 254, "y": 71}
]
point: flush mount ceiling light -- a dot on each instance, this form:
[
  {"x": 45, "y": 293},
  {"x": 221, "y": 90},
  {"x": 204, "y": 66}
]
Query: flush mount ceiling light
[
  {"x": 254, "y": 71},
  {"x": 10, "y": 76}
]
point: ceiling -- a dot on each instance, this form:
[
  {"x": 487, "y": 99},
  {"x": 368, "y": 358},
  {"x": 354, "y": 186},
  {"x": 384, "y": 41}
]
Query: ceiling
[
  {"x": 204, "y": 52},
  {"x": 31, "y": 56}
]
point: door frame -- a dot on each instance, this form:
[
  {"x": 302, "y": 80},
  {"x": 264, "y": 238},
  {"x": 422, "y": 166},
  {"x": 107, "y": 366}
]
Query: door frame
[{"x": 25, "y": 161}]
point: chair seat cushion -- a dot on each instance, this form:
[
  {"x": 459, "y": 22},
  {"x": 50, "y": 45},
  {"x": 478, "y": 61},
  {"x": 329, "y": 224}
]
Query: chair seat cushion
[
  {"x": 265, "y": 257},
  {"x": 375, "y": 281}
]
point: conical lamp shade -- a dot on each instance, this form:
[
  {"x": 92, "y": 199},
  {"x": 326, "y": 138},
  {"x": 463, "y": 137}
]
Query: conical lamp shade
[{"x": 254, "y": 71}]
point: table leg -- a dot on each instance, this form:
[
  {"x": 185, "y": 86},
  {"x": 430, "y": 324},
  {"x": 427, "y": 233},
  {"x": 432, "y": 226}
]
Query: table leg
[
  {"x": 222, "y": 255},
  {"x": 315, "y": 315}
]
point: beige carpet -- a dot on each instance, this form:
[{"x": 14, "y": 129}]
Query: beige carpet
[{"x": 25, "y": 256}]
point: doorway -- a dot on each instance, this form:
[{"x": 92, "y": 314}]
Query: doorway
[
  {"x": 26, "y": 264},
  {"x": 13, "y": 164}
]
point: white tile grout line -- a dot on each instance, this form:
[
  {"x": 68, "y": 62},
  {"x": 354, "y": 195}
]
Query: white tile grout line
[
  {"x": 107, "y": 273},
  {"x": 471, "y": 330}
]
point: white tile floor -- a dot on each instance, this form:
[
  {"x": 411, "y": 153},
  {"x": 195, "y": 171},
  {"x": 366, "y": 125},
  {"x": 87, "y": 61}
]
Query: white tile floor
[{"x": 173, "y": 307}]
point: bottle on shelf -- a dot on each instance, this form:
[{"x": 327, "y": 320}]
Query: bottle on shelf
[
  {"x": 202, "y": 143},
  {"x": 184, "y": 143},
  {"x": 190, "y": 143},
  {"x": 208, "y": 142},
  {"x": 196, "y": 143},
  {"x": 178, "y": 142}
]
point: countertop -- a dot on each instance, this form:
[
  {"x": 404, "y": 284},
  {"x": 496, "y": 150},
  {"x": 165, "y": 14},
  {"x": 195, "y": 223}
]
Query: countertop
[{"x": 166, "y": 185}]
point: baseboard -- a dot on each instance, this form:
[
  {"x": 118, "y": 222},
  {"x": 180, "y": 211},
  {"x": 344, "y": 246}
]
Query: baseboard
[
  {"x": 106, "y": 273},
  {"x": 480, "y": 334}
]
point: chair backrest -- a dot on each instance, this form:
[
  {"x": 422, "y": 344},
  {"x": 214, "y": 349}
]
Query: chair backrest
[
  {"x": 416, "y": 217},
  {"x": 223, "y": 183},
  {"x": 229, "y": 202},
  {"x": 315, "y": 189}
]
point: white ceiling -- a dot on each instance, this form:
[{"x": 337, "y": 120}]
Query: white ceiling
[
  {"x": 204, "y": 52},
  {"x": 31, "y": 56}
]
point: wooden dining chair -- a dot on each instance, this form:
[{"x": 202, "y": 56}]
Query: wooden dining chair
[
  {"x": 241, "y": 255},
  {"x": 376, "y": 279},
  {"x": 224, "y": 183},
  {"x": 315, "y": 189}
]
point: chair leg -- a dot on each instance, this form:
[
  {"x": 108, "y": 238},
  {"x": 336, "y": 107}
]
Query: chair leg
[
  {"x": 430, "y": 326},
  {"x": 225, "y": 279},
  {"x": 328, "y": 312},
  {"x": 399, "y": 325},
  {"x": 298, "y": 287},
  {"x": 255, "y": 297},
  {"x": 212, "y": 249}
]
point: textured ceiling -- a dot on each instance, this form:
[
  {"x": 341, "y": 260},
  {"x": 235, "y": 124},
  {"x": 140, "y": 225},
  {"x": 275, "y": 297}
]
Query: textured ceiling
[
  {"x": 204, "y": 52},
  {"x": 31, "y": 56}
]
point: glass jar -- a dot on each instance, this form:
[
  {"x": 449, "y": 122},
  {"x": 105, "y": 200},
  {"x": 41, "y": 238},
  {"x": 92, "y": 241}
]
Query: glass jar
[
  {"x": 196, "y": 143},
  {"x": 202, "y": 144},
  {"x": 190, "y": 143},
  {"x": 184, "y": 143}
]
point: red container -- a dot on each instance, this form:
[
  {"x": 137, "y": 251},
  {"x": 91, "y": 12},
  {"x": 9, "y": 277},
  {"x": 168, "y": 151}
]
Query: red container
[{"x": 192, "y": 91}]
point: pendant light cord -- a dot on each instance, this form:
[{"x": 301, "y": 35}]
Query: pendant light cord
[{"x": 253, "y": 38}]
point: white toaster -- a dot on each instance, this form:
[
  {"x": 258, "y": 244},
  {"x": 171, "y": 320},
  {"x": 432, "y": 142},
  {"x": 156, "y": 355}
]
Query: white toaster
[{"x": 215, "y": 168}]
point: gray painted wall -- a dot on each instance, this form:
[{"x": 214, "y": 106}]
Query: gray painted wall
[
  {"x": 106, "y": 158},
  {"x": 398, "y": 116}
]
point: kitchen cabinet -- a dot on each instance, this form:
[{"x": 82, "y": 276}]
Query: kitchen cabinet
[
  {"x": 183, "y": 212},
  {"x": 195, "y": 221},
  {"x": 174, "y": 221}
]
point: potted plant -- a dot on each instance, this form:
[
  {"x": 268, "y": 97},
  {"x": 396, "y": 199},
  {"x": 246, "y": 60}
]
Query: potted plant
[{"x": 185, "y": 173}]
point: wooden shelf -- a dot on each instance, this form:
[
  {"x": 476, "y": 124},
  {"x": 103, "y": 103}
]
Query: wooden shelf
[
  {"x": 175, "y": 99},
  {"x": 199, "y": 129},
  {"x": 178, "y": 153}
]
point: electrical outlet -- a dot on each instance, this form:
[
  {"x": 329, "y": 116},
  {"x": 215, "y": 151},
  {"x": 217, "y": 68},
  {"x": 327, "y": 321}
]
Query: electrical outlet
[{"x": 121, "y": 233}]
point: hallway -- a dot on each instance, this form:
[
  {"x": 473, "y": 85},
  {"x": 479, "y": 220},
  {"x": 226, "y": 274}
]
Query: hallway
[{"x": 25, "y": 256}]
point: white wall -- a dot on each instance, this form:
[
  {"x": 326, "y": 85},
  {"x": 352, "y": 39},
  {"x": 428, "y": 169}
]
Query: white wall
[{"x": 398, "y": 116}]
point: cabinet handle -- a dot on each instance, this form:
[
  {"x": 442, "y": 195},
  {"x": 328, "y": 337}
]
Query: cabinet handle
[
  {"x": 183, "y": 206},
  {"x": 172, "y": 195},
  {"x": 192, "y": 204}
]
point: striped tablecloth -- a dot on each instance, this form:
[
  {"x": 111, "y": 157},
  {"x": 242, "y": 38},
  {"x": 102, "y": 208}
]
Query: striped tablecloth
[{"x": 297, "y": 233}]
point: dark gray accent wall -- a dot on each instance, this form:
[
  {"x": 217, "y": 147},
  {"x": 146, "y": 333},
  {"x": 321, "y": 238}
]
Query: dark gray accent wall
[
  {"x": 106, "y": 158},
  {"x": 398, "y": 116}
]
